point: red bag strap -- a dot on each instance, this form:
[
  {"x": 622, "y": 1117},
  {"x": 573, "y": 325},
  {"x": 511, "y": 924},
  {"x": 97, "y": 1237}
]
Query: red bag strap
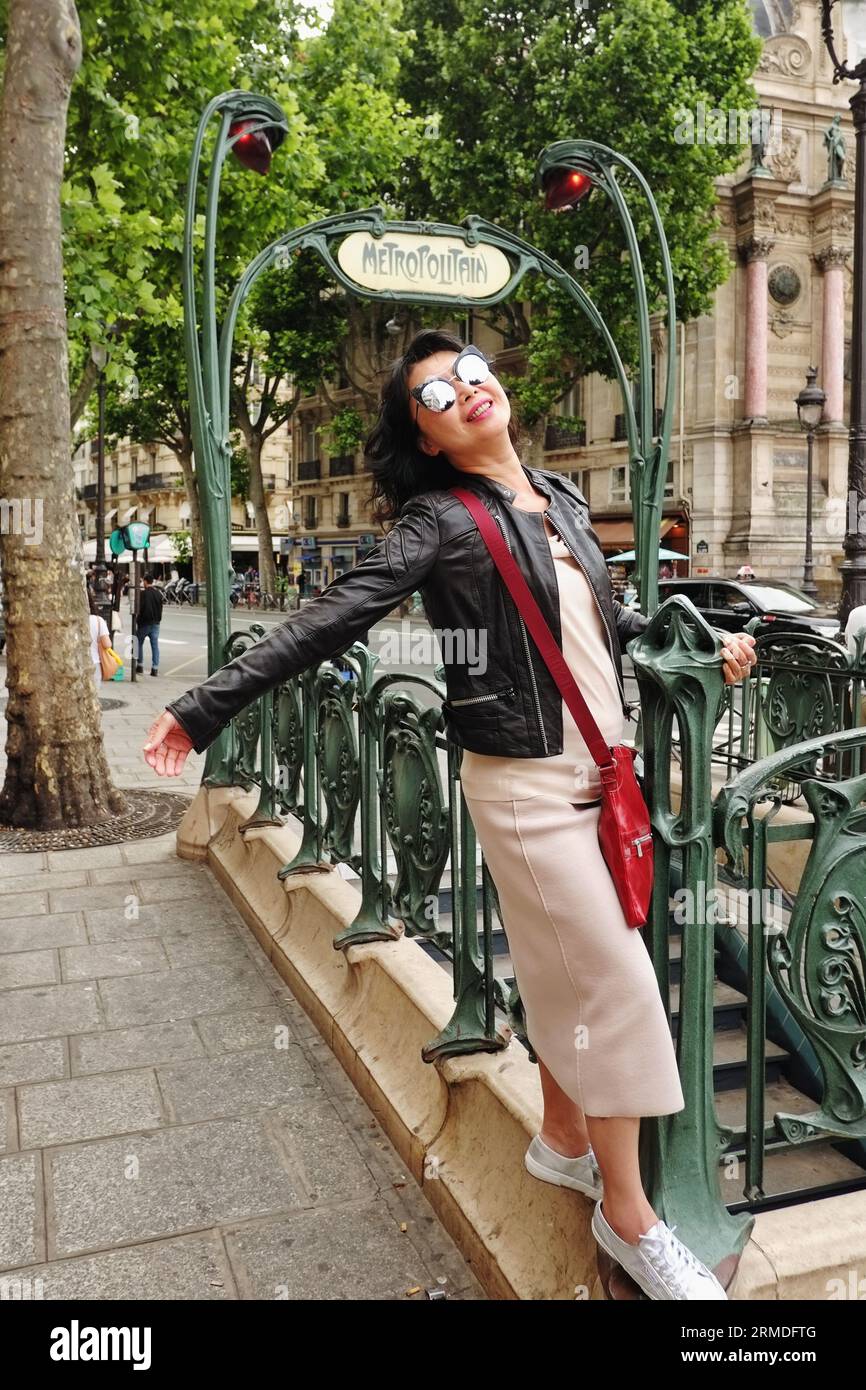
[{"x": 541, "y": 633}]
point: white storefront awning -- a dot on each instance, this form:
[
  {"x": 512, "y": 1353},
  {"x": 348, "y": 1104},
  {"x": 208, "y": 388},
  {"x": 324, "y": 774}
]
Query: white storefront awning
[{"x": 251, "y": 543}]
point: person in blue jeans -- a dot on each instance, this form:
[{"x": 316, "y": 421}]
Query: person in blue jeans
[{"x": 149, "y": 618}]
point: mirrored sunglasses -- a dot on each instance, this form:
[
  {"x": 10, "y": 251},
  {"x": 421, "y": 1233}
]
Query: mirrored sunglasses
[{"x": 471, "y": 368}]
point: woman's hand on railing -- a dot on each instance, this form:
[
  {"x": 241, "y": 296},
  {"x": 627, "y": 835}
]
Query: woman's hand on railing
[
  {"x": 738, "y": 656},
  {"x": 167, "y": 746}
]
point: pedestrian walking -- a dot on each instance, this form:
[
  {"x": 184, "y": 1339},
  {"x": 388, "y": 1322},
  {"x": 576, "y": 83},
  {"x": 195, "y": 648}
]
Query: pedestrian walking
[
  {"x": 149, "y": 618},
  {"x": 592, "y": 1004},
  {"x": 100, "y": 637}
]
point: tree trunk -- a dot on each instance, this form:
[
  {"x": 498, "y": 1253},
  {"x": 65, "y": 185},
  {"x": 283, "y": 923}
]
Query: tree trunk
[
  {"x": 199, "y": 562},
  {"x": 57, "y": 774},
  {"x": 267, "y": 570}
]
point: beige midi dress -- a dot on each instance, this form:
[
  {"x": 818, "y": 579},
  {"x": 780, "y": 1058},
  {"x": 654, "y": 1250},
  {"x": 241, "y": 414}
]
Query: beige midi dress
[{"x": 592, "y": 1005}]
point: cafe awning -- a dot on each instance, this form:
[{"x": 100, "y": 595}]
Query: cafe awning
[{"x": 620, "y": 534}]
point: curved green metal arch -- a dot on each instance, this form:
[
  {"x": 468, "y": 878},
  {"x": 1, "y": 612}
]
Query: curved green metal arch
[{"x": 318, "y": 235}]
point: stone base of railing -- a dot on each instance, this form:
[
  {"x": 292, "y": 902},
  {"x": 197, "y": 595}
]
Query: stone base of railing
[{"x": 461, "y": 1125}]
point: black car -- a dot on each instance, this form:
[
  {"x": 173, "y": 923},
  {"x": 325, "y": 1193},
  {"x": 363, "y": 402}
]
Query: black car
[{"x": 731, "y": 603}]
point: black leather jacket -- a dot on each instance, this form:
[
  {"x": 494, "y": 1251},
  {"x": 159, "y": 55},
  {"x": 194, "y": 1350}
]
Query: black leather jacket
[{"x": 506, "y": 704}]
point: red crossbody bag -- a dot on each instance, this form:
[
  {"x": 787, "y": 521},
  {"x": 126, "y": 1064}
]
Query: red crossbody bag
[{"x": 624, "y": 828}]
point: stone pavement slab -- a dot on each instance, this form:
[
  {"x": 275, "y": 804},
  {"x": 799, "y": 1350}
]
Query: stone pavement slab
[
  {"x": 172, "y": 1125},
  {"x": 88, "y": 1107},
  {"x": 194, "y": 1267},
  {"x": 133, "y": 1047}
]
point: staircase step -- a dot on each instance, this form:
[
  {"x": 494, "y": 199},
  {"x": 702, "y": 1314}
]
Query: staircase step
[
  {"x": 778, "y": 1095},
  {"x": 806, "y": 1166},
  {"x": 730, "y": 1048},
  {"x": 725, "y": 997}
]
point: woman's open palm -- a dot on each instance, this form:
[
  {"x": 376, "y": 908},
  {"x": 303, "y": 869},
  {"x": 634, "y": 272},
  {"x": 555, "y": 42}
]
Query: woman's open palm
[{"x": 167, "y": 747}]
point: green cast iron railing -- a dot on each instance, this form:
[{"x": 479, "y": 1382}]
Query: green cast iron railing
[
  {"x": 802, "y": 686},
  {"x": 356, "y": 755},
  {"x": 806, "y": 960}
]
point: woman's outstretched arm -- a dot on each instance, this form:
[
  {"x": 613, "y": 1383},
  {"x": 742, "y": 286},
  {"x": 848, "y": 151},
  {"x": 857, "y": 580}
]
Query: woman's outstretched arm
[{"x": 328, "y": 624}]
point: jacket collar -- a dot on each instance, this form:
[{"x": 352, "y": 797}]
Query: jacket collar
[{"x": 494, "y": 485}]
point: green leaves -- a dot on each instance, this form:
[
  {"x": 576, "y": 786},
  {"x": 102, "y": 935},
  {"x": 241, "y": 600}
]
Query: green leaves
[{"x": 615, "y": 72}]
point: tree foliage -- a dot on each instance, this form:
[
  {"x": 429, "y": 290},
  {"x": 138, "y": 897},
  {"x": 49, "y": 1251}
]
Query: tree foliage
[{"x": 498, "y": 85}]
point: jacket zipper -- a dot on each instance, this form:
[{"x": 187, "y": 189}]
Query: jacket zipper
[
  {"x": 528, "y": 657},
  {"x": 474, "y": 699}
]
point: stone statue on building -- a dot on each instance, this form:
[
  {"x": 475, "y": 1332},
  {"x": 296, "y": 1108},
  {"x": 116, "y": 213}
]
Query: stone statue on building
[
  {"x": 760, "y": 135},
  {"x": 834, "y": 142}
]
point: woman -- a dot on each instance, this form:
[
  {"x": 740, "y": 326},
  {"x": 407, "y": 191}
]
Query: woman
[
  {"x": 590, "y": 996},
  {"x": 99, "y": 637}
]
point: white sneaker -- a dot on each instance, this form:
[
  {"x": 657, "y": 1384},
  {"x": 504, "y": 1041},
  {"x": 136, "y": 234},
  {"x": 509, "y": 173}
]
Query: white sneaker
[
  {"x": 659, "y": 1264},
  {"x": 581, "y": 1173}
]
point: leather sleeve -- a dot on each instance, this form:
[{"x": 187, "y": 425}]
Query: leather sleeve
[
  {"x": 629, "y": 623},
  {"x": 325, "y": 626}
]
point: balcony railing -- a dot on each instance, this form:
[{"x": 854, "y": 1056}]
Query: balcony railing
[
  {"x": 309, "y": 469},
  {"x": 341, "y": 465},
  {"x": 342, "y": 519},
  {"x": 88, "y": 491},
  {"x": 558, "y": 436},
  {"x": 149, "y": 482},
  {"x": 619, "y": 431}
]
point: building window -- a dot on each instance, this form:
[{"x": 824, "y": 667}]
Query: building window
[
  {"x": 310, "y": 509},
  {"x": 560, "y": 434},
  {"x": 619, "y": 484},
  {"x": 309, "y": 440},
  {"x": 669, "y": 480},
  {"x": 571, "y": 404},
  {"x": 581, "y": 479}
]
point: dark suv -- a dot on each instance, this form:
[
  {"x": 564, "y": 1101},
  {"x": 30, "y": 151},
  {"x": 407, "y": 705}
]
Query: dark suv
[{"x": 731, "y": 603}]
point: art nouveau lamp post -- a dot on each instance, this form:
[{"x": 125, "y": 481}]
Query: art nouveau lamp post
[
  {"x": 568, "y": 171},
  {"x": 251, "y": 127},
  {"x": 810, "y": 404}
]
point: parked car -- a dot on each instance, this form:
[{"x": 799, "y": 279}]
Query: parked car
[{"x": 731, "y": 603}]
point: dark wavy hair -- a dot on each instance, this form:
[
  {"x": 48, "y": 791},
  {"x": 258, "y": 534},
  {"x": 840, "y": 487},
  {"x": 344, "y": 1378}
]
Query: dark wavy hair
[{"x": 399, "y": 467}]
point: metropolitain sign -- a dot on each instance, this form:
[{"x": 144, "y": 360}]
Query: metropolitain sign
[{"x": 429, "y": 264}]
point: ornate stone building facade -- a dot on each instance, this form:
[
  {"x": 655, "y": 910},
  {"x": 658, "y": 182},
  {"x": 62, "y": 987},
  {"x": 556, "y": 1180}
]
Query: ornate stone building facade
[{"x": 737, "y": 482}]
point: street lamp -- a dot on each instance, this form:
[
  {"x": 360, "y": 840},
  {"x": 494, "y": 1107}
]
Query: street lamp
[
  {"x": 251, "y": 127},
  {"x": 810, "y": 404},
  {"x": 568, "y": 172},
  {"x": 851, "y": 22},
  {"x": 565, "y": 189},
  {"x": 253, "y": 144}
]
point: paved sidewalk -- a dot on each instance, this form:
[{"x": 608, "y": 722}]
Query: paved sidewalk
[{"x": 175, "y": 1127}]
